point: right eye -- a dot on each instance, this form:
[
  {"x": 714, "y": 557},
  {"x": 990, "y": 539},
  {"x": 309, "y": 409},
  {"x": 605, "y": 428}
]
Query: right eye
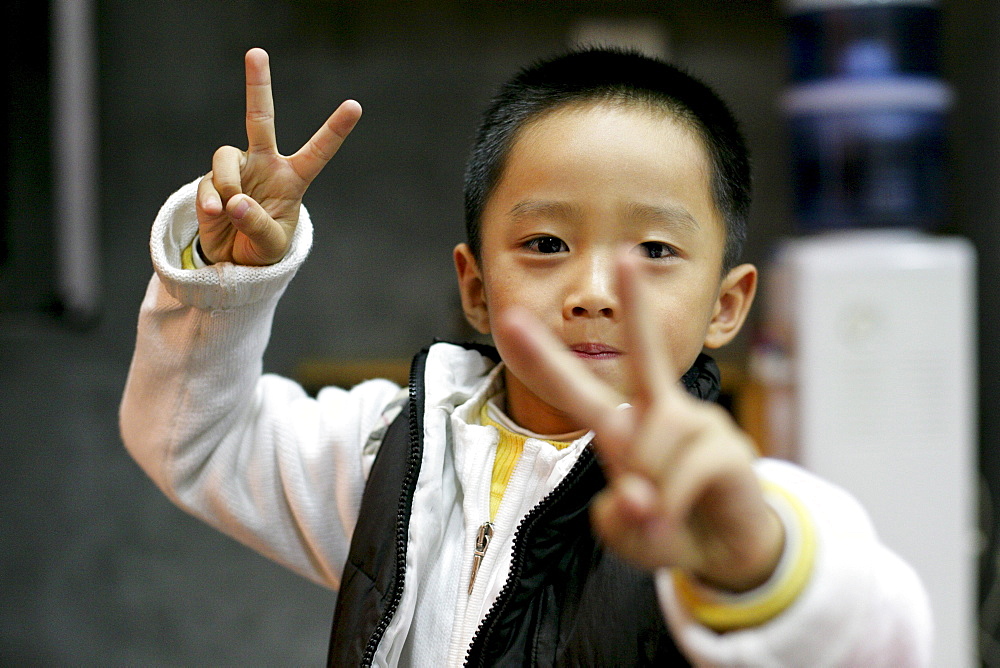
[{"x": 547, "y": 245}]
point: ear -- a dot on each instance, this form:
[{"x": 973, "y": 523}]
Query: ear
[
  {"x": 736, "y": 293},
  {"x": 470, "y": 286}
]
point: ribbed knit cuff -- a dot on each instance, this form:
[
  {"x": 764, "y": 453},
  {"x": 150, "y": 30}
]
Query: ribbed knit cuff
[{"x": 223, "y": 285}]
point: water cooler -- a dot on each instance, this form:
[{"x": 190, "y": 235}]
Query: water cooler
[{"x": 868, "y": 347}]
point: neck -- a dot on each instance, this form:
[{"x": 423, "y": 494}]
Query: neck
[{"x": 533, "y": 414}]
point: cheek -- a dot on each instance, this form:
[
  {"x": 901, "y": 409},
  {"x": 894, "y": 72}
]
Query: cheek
[
  {"x": 685, "y": 324},
  {"x": 495, "y": 294},
  {"x": 503, "y": 289}
]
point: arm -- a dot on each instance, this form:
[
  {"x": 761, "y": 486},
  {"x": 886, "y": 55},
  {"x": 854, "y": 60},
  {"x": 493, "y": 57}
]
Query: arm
[
  {"x": 870, "y": 604},
  {"x": 686, "y": 499},
  {"x": 251, "y": 454}
]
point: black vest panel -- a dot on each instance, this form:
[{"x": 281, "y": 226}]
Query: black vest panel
[
  {"x": 567, "y": 602},
  {"x": 367, "y": 586},
  {"x": 372, "y": 580}
]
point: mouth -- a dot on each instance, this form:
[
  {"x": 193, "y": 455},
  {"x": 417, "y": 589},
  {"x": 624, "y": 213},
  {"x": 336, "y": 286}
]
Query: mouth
[{"x": 595, "y": 351}]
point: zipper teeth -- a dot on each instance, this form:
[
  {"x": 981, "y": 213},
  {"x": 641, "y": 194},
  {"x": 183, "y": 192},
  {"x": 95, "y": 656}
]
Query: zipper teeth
[
  {"x": 402, "y": 515},
  {"x": 519, "y": 549}
]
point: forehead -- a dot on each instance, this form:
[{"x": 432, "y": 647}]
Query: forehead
[
  {"x": 604, "y": 154},
  {"x": 662, "y": 134}
]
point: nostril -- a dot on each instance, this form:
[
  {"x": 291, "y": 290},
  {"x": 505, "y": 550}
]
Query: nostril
[{"x": 582, "y": 311}]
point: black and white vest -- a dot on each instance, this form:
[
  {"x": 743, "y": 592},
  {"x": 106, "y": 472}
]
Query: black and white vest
[{"x": 567, "y": 601}]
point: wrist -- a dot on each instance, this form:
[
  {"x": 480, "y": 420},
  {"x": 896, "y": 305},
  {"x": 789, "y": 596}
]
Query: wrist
[
  {"x": 754, "y": 561},
  {"x": 192, "y": 257},
  {"x": 725, "y": 610},
  {"x": 198, "y": 254}
]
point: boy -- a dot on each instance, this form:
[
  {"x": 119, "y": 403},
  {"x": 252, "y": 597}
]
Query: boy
[{"x": 475, "y": 517}]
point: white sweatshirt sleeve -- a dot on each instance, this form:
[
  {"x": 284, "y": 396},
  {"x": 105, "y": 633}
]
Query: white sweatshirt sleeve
[
  {"x": 253, "y": 455},
  {"x": 862, "y": 606}
]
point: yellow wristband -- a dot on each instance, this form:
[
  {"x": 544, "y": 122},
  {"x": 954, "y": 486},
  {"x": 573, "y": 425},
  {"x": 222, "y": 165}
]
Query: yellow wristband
[
  {"x": 187, "y": 257},
  {"x": 192, "y": 256},
  {"x": 723, "y": 611}
]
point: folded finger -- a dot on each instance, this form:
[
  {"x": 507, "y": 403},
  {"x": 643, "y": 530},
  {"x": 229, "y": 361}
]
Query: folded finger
[
  {"x": 208, "y": 201},
  {"x": 226, "y": 178},
  {"x": 310, "y": 160},
  {"x": 267, "y": 239},
  {"x": 699, "y": 470},
  {"x": 650, "y": 522},
  {"x": 260, "y": 104},
  {"x": 624, "y": 516}
]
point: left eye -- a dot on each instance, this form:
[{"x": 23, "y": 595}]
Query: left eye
[
  {"x": 656, "y": 250},
  {"x": 547, "y": 245}
]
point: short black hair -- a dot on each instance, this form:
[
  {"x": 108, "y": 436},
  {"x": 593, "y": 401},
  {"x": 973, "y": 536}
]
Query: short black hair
[{"x": 617, "y": 77}]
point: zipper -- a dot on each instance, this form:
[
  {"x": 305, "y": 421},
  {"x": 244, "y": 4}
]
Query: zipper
[
  {"x": 520, "y": 549},
  {"x": 483, "y": 538},
  {"x": 403, "y": 511}
]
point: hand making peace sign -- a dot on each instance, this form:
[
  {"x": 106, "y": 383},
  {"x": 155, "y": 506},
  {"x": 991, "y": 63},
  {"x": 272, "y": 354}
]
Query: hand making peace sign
[
  {"x": 681, "y": 488},
  {"x": 248, "y": 205}
]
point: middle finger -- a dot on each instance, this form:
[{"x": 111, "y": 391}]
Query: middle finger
[
  {"x": 650, "y": 361},
  {"x": 260, "y": 104}
]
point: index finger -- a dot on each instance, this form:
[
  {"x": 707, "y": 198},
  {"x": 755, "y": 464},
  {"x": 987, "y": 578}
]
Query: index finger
[
  {"x": 309, "y": 160},
  {"x": 260, "y": 105},
  {"x": 568, "y": 384}
]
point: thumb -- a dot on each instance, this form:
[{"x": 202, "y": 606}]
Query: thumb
[{"x": 265, "y": 241}]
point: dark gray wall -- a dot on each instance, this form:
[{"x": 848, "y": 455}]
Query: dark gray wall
[{"x": 388, "y": 209}]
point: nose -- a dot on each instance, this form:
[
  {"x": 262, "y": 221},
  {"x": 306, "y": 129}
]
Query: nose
[{"x": 591, "y": 289}]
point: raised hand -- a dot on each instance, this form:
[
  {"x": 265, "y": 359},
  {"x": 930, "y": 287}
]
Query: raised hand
[
  {"x": 681, "y": 488},
  {"x": 248, "y": 205}
]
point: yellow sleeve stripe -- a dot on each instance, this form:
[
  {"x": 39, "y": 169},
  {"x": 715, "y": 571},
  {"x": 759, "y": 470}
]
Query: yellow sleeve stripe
[
  {"x": 722, "y": 611},
  {"x": 187, "y": 257}
]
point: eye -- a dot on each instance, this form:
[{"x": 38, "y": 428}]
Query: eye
[
  {"x": 656, "y": 250},
  {"x": 547, "y": 245}
]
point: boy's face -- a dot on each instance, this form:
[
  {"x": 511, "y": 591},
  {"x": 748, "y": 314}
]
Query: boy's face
[{"x": 582, "y": 185}]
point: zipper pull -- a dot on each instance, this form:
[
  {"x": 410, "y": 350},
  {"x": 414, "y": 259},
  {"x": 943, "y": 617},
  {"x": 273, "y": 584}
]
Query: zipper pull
[{"x": 482, "y": 543}]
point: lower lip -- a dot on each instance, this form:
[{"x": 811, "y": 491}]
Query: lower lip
[{"x": 603, "y": 355}]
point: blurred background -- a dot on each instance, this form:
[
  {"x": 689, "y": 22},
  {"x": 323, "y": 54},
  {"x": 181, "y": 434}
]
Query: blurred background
[{"x": 97, "y": 567}]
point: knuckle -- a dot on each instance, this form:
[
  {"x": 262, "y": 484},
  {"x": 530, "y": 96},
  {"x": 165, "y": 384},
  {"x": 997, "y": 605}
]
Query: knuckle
[
  {"x": 340, "y": 129},
  {"x": 259, "y": 224},
  {"x": 226, "y": 168},
  {"x": 319, "y": 153},
  {"x": 258, "y": 116},
  {"x": 226, "y": 187},
  {"x": 224, "y": 152}
]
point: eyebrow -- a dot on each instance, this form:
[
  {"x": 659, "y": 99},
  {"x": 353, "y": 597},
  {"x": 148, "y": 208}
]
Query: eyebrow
[
  {"x": 668, "y": 214},
  {"x": 542, "y": 207},
  {"x": 675, "y": 216}
]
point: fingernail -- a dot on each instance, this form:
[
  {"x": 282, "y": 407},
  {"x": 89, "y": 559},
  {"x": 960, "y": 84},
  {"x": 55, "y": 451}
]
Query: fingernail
[{"x": 241, "y": 208}]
